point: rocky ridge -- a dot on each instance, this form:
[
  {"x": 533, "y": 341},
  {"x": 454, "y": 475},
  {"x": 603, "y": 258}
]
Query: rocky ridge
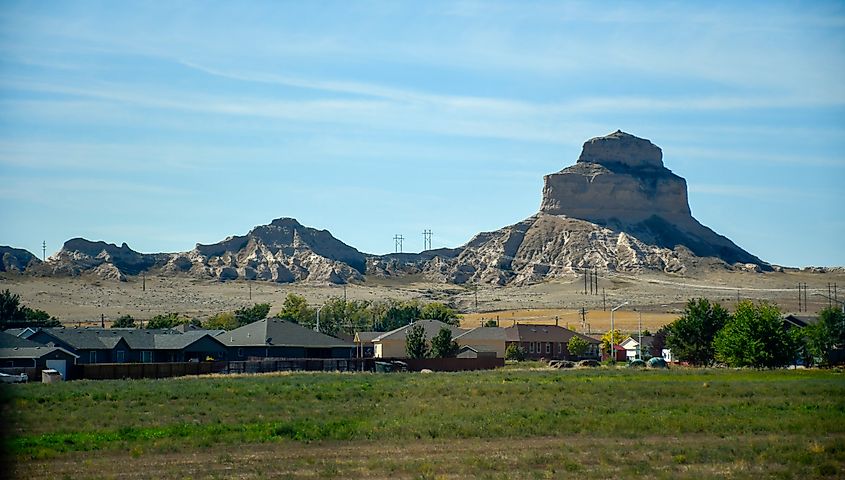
[
  {"x": 617, "y": 209},
  {"x": 16, "y": 259}
]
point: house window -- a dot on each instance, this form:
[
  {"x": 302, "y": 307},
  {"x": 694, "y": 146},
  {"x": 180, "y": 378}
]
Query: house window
[
  {"x": 560, "y": 347},
  {"x": 549, "y": 347},
  {"x": 146, "y": 356},
  {"x": 92, "y": 357},
  {"x": 240, "y": 352},
  {"x": 119, "y": 356},
  {"x": 530, "y": 347}
]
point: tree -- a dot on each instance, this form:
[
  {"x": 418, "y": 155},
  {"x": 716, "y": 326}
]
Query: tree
[
  {"x": 126, "y": 321},
  {"x": 755, "y": 337},
  {"x": 690, "y": 337},
  {"x": 615, "y": 337},
  {"x": 826, "y": 335},
  {"x": 415, "y": 344},
  {"x": 167, "y": 320},
  {"x": 14, "y": 315},
  {"x": 442, "y": 345},
  {"x": 491, "y": 323},
  {"x": 222, "y": 321},
  {"x": 295, "y": 309},
  {"x": 515, "y": 352},
  {"x": 577, "y": 346},
  {"x": 245, "y": 316},
  {"x": 440, "y": 312},
  {"x": 398, "y": 314}
]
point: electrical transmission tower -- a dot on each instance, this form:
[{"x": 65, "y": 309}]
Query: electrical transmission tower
[
  {"x": 397, "y": 242},
  {"x": 426, "y": 240},
  {"x": 44, "y": 250}
]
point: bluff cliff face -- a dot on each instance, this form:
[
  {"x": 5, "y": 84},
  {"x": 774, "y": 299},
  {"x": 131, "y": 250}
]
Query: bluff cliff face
[
  {"x": 619, "y": 181},
  {"x": 617, "y": 209}
]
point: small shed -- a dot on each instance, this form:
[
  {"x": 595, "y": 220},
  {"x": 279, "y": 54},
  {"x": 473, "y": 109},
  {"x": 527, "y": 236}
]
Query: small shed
[{"x": 467, "y": 351}]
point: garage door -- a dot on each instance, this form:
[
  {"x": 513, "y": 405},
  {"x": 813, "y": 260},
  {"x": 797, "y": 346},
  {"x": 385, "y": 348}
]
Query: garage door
[{"x": 58, "y": 365}]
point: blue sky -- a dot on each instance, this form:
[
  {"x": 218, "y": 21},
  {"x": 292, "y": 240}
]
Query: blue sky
[{"x": 163, "y": 124}]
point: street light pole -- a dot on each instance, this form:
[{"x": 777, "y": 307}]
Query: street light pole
[
  {"x": 612, "y": 340},
  {"x": 317, "y": 327}
]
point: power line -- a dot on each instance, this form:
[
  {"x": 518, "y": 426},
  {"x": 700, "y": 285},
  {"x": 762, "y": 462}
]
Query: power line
[
  {"x": 397, "y": 243},
  {"x": 426, "y": 239}
]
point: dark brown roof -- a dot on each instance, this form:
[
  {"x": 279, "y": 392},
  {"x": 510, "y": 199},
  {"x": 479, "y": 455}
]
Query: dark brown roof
[{"x": 543, "y": 333}]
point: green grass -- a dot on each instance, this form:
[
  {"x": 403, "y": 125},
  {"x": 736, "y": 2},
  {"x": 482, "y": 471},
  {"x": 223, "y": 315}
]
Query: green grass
[{"x": 731, "y": 415}]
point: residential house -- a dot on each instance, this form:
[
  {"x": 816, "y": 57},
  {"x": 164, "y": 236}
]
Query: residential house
[
  {"x": 651, "y": 346},
  {"x": 548, "y": 342},
  {"x": 392, "y": 344},
  {"x": 480, "y": 351},
  {"x": 485, "y": 339},
  {"x": 130, "y": 345},
  {"x": 364, "y": 344},
  {"x": 20, "y": 353},
  {"x": 277, "y": 338}
]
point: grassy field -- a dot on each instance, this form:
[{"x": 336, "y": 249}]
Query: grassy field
[{"x": 510, "y": 423}]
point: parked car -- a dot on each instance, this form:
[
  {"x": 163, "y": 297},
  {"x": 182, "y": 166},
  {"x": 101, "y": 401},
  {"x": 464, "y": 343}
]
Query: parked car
[{"x": 6, "y": 378}]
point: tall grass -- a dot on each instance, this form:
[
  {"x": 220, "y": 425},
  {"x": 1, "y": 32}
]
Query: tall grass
[{"x": 186, "y": 412}]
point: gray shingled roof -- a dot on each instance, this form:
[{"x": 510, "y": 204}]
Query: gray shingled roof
[
  {"x": 136, "y": 339},
  {"x": 10, "y": 341},
  {"x": 278, "y": 332},
  {"x": 30, "y": 352},
  {"x": 432, "y": 327}
]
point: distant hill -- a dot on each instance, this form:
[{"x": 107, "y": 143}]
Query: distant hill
[{"x": 617, "y": 209}]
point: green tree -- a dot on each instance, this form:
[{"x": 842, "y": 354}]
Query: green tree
[
  {"x": 415, "y": 344},
  {"x": 491, "y": 323},
  {"x": 441, "y": 312},
  {"x": 615, "y": 336},
  {"x": 577, "y": 346},
  {"x": 515, "y": 352},
  {"x": 126, "y": 321},
  {"x": 222, "y": 321},
  {"x": 826, "y": 335},
  {"x": 755, "y": 337},
  {"x": 295, "y": 309},
  {"x": 245, "y": 316},
  {"x": 398, "y": 314},
  {"x": 442, "y": 345},
  {"x": 167, "y": 320},
  {"x": 690, "y": 337},
  {"x": 14, "y": 315}
]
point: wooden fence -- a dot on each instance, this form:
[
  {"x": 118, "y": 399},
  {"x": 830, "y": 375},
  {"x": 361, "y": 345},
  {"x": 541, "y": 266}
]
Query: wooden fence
[{"x": 110, "y": 371}]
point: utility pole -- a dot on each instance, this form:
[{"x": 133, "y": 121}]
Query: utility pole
[
  {"x": 799, "y": 298},
  {"x": 144, "y": 282},
  {"x": 596, "y": 279},
  {"x": 805, "y": 298},
  {"x": 250, "y": 289},
  {"x": 102, "y": 321},
  {"x": 585, "y": 281},
  {"x": 829, "y": 298},
  {"x": 640, "y": 344},
  {"x": 44, "y": 251},
  {"x": 397, "y": 243},
  {"x": 603, "y": 300},
  {"x": 476, "y": 297}
]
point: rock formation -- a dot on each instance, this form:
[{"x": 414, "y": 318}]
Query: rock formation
[
  {"x": 620, "y": 182},
  {"x": 16, "y": 259},
  {"x": 617, "y": 209}
]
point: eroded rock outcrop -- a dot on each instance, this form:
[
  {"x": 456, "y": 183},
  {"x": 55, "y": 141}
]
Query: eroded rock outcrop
[{"x": 16, "y": 259}]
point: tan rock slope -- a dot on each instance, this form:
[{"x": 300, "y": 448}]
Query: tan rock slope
[{"x": 617, "y": 209}]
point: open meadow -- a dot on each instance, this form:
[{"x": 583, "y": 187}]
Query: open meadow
[{"x": 508, "y": 423}]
